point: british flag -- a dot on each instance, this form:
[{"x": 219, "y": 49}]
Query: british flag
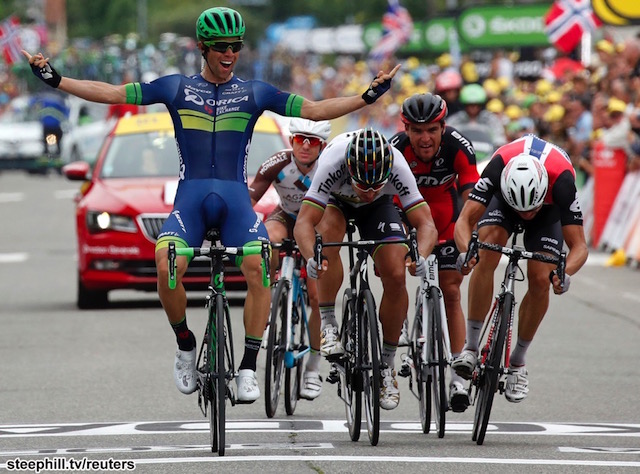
[
  {"x": 567, "y": 21},
  {"x": 397, "y": 27},
  {"x": 10, "y": 40}
]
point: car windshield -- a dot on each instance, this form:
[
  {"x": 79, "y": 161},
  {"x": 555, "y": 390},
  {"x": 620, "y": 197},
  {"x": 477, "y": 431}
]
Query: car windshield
[
  {"x": 141, "y": 155},
  {"x": 155, "y": 154}
]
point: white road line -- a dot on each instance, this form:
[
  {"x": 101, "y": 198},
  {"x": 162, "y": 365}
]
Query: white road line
[
  {"x": 13, "y": 257},
  {"x": 381, "y": 459},
  {"x": 603, "y": 450},
  {"x": 11, "y": 197},
  {"x": 65, "y": 193}
]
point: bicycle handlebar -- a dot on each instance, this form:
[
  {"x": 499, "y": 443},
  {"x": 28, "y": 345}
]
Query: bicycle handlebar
[
  {"x": 475, "y": 244},
  {"x": 317, "y": 249},
  {"x": 217, "y": 252}
]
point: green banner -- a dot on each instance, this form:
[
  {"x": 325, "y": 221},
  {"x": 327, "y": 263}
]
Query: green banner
[{"x": 501, "y": 26}]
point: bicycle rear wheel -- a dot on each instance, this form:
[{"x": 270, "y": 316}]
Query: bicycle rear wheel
[
  {"x": 421, "y": 369},
  {"x": 293, "y": 375},
  {"x": 491, "y": 370},
  {"x": 218, "y": 346},
  {"x": 276, "y": 347},
  {"x": 371, "y": 349},
  {"x": 437, "y": 361},
  {"x": 352, "y": 379}
]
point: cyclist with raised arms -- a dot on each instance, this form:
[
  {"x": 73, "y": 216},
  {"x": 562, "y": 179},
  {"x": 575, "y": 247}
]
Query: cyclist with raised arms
[
  {"x": 213, "y": 114},
  {"x": 443, "y": 162},
  {"x": 530, "y": 182},
  {"x": 358, "y": 175},
  {"x": 291, "y": 171}
]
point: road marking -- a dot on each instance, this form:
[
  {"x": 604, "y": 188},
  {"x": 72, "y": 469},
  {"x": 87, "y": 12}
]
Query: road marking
[
  {"x": 11, "y": 197},
  {"x": 13, "y": 257},
  {"x": 309, "y": 426},
  {"x": 380, "y": 459},
  {"x": 605, "y": 450},
  {"x": 65, "y": 193},
  {"x": 156, "y": 449}
]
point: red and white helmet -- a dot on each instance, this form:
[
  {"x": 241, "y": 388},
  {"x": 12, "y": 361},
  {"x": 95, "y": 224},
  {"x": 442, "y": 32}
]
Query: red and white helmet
[
  {"x": 448, "y": 80},
  {"x": 524, "y": 182}
]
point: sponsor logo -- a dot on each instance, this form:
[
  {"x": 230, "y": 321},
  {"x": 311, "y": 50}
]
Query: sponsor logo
[
  {"x": 176, "y": 214},
  {"x": 194, "y": 97},
  {"x": 256, "y": 225},
  {"x": 399, "y": 186},
  {"x": 463, "y": 141},
  {"x": 332, "y": 178},
  {"x": 575, "y": 206},
  {"x": 551, "y": 249},
  {"x": 496, "y": 213},
  {"x": 483, "y": 185},
  {"x": 274, "y": 160},
  {"x": 425, "y": 181},
  {"x": 549, "y": 239}
]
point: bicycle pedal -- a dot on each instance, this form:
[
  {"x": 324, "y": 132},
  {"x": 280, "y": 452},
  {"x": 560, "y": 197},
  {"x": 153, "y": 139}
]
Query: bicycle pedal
[
  {"x": 405, "y": 370},
  {"x": 333, "y": 376}
]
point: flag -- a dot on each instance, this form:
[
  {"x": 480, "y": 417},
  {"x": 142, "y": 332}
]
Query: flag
[
  {"x": 10, "y": 44},
  {"x": 566, "y": 22},
  {"x": 397, "y": 27}
]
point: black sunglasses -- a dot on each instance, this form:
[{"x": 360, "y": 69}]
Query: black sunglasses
[{"x": 222, "y": 46}]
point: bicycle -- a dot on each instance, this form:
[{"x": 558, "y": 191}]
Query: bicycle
[
  {"x": 487, "y": 377},
  {"x": 215, "y": 366},
  {"x": 430, "y": 347},
  {"x": 357, "y": 371},
  {"x": 288, "y": 331}
]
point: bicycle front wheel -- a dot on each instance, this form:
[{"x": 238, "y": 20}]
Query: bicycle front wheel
[
  {"x": 371, "y": 349},
  {"x": 293, "y": 375},
  {"x": 217, "y": 345},
  {"x": 418, "y": 347},
  {"x": 352, "y": 379},
  {"x": 491, "y": 370},
  {"x": 437, "y": 361},
  {"x": 276, "y": 347}
]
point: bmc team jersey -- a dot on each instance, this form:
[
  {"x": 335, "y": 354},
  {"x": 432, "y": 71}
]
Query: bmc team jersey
[
  {"x": 332, "y": 179},
  {"x": 441, "y": 180},
  {"x": 562, "y": 183},
  {"x": 213, "y": 126},
  {"x": 289, "y": 182}
]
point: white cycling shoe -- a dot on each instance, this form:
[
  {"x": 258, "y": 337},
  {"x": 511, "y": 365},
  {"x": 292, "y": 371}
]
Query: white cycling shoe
[
  {"x": 248, "y": 390},
  {"x": 184, "y": 371}
]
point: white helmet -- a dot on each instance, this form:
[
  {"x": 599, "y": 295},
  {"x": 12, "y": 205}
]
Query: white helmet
[
  {"x": 524, "y": 182},
  {"x": 321, "y": 129}
]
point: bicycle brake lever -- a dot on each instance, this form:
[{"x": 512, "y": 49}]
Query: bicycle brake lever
[{"x": 472, "y": 250}]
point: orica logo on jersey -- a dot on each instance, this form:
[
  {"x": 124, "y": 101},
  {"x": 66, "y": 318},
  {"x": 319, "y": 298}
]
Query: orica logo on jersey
[{"x": 192, "y": 96}]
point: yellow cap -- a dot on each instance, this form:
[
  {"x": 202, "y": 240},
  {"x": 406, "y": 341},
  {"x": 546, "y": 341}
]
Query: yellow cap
[
  {"x": 469, "y": 72},
  {"x": 444, "y": 60},
  {"x": 513, "y": 112},
  {"x": 412, "y": 63},
  {"x": 543, "y": 86},
  {"x": 495, "y": 105},
  {"x": 554, "y": 113},
  {"x": 504, "y": 82},
  {"x": 605, "y": 46},
  {"x": 492, "y": 87},
  {"x": 616, "y": 105},
  {"x": 553, "y": 97}
]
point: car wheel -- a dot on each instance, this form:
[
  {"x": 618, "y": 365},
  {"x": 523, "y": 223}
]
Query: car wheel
[{"x": 91, "y": 299}]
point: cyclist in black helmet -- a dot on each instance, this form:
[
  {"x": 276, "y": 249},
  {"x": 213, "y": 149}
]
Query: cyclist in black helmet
[
  {"x": 213, "y": 113},
  {"x": 358, "y": 175},
  {"x": 444, "y": 165}
]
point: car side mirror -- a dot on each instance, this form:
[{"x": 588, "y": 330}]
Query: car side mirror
[{"x": 77, "y": 171}]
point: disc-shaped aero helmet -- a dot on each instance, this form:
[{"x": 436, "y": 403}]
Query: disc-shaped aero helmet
[{"x": 524, "y": 182}]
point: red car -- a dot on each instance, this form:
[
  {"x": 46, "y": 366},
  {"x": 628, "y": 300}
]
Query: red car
[{"x": 126, "y": 198}]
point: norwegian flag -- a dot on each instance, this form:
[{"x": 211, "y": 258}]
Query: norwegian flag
[
  {"x": 397, "y": 27},
  {"x": 10, "y": 40},
  {"x": 567, "y": 21}
]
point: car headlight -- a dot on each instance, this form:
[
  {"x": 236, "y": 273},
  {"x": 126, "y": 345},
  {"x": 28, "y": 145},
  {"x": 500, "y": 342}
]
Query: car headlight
[{"x": 98, "y": 221}]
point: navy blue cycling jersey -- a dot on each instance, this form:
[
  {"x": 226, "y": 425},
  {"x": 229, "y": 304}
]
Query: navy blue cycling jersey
[{"x": 213, "y": 122}]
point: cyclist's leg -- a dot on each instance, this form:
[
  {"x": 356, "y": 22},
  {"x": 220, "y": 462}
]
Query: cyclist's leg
[{"x": 278, "y": 229}]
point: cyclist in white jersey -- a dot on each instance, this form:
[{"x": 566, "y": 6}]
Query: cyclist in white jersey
[
  {"x": 290, "y": 172},
  {"x": 358, "y": 175}
]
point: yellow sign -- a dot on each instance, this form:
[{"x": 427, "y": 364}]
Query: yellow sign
[{"x": 617, "y": 12}]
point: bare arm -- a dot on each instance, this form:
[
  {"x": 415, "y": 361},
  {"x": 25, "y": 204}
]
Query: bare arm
[
  {"x": 93, "y": 91},
  {"x": 328, "y": 109},
  {"x": 421, "y": 219},
  {"x": 471, "y": 212},
  {"x": 305, "y": 229},
  {"x": 578, "y": 251}
]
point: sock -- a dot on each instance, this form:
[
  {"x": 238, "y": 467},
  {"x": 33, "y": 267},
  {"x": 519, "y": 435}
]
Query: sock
[
  {"x": 251, "y": 348},
  {"x": 474, "y": 328},
  {"x": 186, "y": 339},
  {"x": 389, "y": 354},
  {"x": 328, "y": 315},
  {"x": 518, "y": 354},
  {"x": 313, "y": 363}
]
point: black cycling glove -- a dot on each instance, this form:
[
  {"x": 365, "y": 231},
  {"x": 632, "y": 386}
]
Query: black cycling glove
[
  {"x": 47, "y": 75},
  {"x": 372, "y": 93}
]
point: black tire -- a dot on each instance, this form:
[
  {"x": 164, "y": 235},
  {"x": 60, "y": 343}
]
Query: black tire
[
  {"x": 211, "y": 396},
  {"x": 91, "y": 299},
  {"x": 293, "y": 375},
  {"x": 352, "y": 380},
  {"x": 276, "y": 346},
  {"x": 220, "y": 373},
  {"x": 370, "y": 351},
  {"x": 421, "y": 369},
  {"x": 488, "y": 383},
  {"x": 437, "y": 361}
]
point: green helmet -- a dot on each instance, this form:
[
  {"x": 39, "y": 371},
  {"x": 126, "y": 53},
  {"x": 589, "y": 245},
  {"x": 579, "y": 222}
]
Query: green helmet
[
  {"x": 219, "y": 22},
  {"x": 473, "y": 94}
]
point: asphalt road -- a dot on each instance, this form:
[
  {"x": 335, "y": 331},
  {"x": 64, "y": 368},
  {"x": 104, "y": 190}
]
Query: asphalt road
[{"x": 97, "y": 385}]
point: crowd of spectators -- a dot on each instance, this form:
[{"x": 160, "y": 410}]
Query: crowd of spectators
[{"x": 568, "y": 104}]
